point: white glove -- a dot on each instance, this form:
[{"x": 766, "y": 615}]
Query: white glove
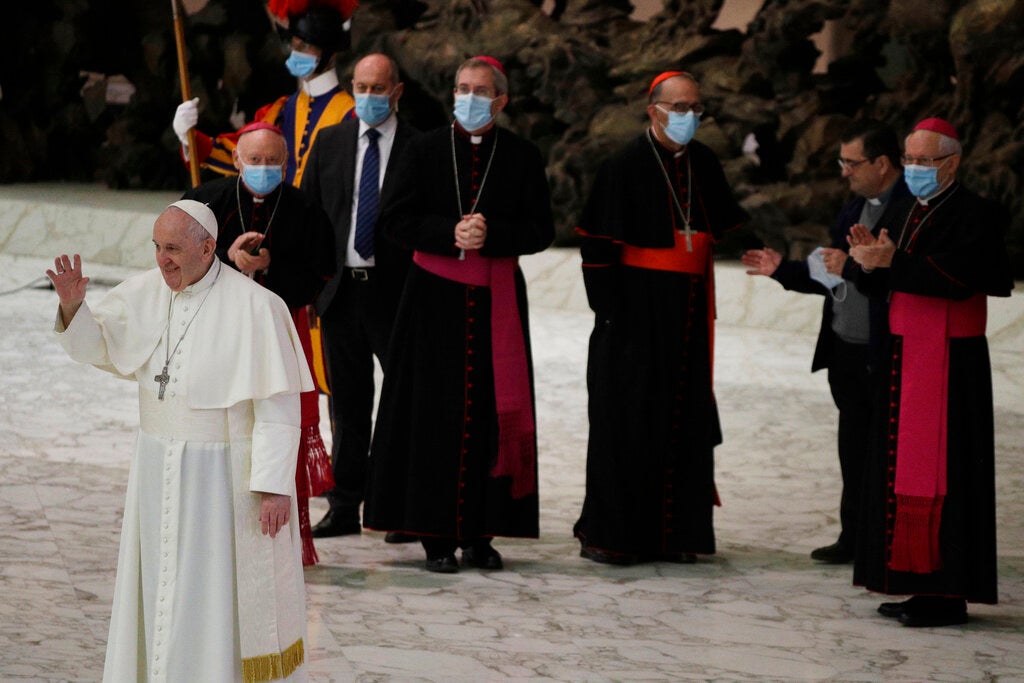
[{"x": 186, "y": 116}]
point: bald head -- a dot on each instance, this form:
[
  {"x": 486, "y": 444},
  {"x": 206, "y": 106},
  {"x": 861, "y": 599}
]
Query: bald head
[{"x": 262, "y": 147}]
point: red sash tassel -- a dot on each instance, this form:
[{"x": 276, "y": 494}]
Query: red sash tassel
[{"x": 313, "y": 472}]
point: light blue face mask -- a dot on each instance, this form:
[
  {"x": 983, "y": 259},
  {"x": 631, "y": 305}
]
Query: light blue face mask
[
  {"x": 262, "y": 179},
  {"x": 372, "y": 108},
  {"x": 301, "y": 64},
  {"x": 819, "y": 271},
  {"x": 681, "y": 127},
  {"x": 473, "y": 112},
  {"x": 922, "y": 181}
]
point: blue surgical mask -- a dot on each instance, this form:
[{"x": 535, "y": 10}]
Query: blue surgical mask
[
  {"x": 922, "y": 181},
  {"x": 301, "y": 64},
  {"x": 372, "y": 108},
  {"x": 262, "y": 179},
  {"x": 473, "y": 112},
  {"x": 680, "y": 127}
]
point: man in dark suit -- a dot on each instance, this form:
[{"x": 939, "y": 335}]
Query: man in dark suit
[
  {"x": 853, "y": 327},
  {"x": 348, "y": 170}
]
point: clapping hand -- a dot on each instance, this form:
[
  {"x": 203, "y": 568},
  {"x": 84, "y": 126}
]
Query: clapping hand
[{"x": 875, "y": 254}]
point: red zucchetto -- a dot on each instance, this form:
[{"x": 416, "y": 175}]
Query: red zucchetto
[
  {"x": 940, "y": 126},
  {"x": 493, "y": 62},
  {"x": 663, "y": 76},
  {"x": 259, "y": 125}
]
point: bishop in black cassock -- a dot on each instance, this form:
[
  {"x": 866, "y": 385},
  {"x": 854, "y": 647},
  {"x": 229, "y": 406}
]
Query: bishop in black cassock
[
  {"x": 298, "y": 238},
  {"x": 454, "y": 457},
  {"x": 929, "y": 524}
]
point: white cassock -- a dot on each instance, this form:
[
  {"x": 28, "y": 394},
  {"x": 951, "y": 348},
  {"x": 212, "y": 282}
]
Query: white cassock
[{"x": 201, "y": 594}]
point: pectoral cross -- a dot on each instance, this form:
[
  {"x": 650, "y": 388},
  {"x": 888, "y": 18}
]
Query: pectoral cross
[{"x": 163, "y": 378}]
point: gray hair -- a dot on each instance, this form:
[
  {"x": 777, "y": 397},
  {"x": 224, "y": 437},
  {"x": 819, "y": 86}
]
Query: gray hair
[
  {"x": 500, "y": 79},
  {"x": 947, "y": 145},
  {"x": 196, "y": 232}
]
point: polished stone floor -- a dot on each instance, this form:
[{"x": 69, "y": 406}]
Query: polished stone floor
[{"x": 758, "y": 610}]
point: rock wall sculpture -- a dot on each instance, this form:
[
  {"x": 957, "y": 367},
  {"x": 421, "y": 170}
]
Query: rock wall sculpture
[{"x": 578, "y": 87}]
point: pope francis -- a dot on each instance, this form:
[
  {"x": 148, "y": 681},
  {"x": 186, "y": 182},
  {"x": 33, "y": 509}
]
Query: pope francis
[{"x": 209, "y": 579}]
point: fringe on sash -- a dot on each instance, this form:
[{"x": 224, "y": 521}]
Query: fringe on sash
[
  {"x": 517, "y": 455},
  {"x": 308, "y": 441},
  {"x": 318, "y": 462},
  {"x": 274, "y": 666},
  {"x": 915, "y": 543}
]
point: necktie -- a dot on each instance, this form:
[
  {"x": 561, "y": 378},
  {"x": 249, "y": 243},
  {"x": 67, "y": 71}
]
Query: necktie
[{"x": 366, "y": 212}]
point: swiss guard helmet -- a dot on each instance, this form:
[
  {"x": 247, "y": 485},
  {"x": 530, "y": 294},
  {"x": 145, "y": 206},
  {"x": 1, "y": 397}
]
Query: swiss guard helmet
[{"x": 323, "y": 23}]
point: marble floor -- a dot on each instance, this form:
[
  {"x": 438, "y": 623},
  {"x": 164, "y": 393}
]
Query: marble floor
[{"x": 758, "y": 610}]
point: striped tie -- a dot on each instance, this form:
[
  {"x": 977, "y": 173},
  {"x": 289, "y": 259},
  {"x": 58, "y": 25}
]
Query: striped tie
[{"x": 369, "y": 200}]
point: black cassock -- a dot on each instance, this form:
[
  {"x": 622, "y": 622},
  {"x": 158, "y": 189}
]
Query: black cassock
[
  {"x": 298, "y": 235},
  {"x": 436, "y": 436},
  {"x": 653, "y": 418},
  {"x": 953, "y": 249}
]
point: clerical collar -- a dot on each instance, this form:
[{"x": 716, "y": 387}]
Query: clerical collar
[
  {"x": 475, "y": 139},
  {"x": 322, "y": 84},
  {"x": 205, "y": 282},
  {"x": 884, "y": 197}
]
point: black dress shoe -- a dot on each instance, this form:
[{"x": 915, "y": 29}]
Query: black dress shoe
[
  {"x": 608, "y": 557},
  {"x": 893, "y": 609},
  {"x": 837, "y": 553},
  {"x": 482, "y": 557},
  {"x": 334, "y": 525},
  {"x": 933, "y": 619},
  {"x": 399, "y": 537},
  {"x": 446, "y": 564},
  {"x": 924, "y": 611}
]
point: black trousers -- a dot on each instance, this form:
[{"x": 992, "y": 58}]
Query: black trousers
[
  {"x": 356, "y": 327},
  {"x": 850, "y": 383}
]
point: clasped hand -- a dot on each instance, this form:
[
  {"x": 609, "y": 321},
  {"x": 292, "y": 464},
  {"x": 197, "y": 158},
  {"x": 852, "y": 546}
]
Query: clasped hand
[{"x": 471, "y": 231}]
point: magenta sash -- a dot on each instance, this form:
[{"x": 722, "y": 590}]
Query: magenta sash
[
  {"x": 517, "y": 455},
  {"x": 926, "y": 325}
]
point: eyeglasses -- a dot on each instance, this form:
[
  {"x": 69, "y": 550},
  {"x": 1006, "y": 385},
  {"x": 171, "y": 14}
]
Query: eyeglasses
[
  {"x": 922, "y": 161},
  {"x": 851, "y": 164},
  {"x": 480, "y": 91},
  {"x": 683, "y": 107}
]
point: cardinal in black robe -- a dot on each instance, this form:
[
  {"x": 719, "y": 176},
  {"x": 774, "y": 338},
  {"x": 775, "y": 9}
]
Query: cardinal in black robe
[{"x": 656, "y": 208}]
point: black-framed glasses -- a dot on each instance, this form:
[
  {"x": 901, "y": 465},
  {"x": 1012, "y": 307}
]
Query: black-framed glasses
[
  {"x": 851, "y": 164},
  {"x": 922, "y": 161},
  {"x": 683, "y": 107}
]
